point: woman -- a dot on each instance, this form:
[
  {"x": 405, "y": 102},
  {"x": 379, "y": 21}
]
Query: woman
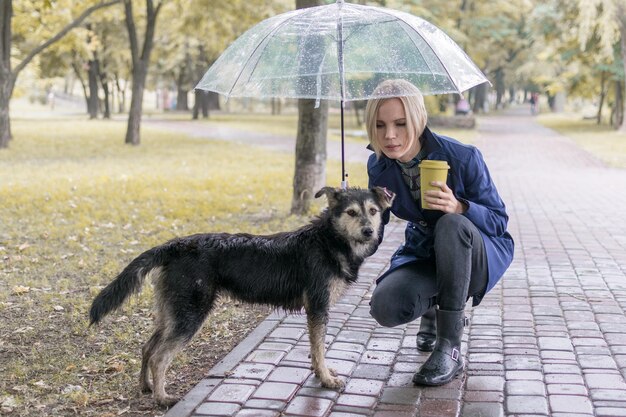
[{"x": 455, "y": 248}]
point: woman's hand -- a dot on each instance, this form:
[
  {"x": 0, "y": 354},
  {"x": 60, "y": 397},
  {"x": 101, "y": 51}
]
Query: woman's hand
[{"x": 443, "y": 199}]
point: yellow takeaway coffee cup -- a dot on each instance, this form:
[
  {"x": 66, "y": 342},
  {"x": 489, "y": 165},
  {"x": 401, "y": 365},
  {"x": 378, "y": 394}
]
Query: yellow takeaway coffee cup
[{"x": 431, "y": 170}]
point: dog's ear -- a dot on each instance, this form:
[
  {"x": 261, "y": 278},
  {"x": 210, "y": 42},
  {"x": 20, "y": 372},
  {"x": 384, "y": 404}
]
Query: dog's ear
[
  {"x": 331, "y": 194},
  {"x": 384, "y": 196}
]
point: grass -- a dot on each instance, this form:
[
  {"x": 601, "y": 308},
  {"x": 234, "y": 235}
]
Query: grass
[
  {"x": 76, "y": 205},
  {"x": 601, "y": 140}
]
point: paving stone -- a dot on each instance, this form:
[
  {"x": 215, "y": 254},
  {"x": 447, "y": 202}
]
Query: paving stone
[
  {"x": 555, "y": 343},
  {"x": 525, "y": 375},
  {"x": 274, "y": 405},
  {"x": 361, "y": 401},
  {"x": 400, "y": 379},
  {"x": 258, "y": 371},
  {"x": 275, "y": 391},
  {"x": 567, "y": 389},
  {"x": 250, "y": 412},
  {"x": 367, "y": 371},
  {"x": 345, "y": 414},
  {"x": 364, "y": 387},
  {"x": 266, "y": 356},
  {"x": 343, "y": 355},
  {"x": 524, "y": 387},
  {"x": 319, "y": 392},
  {"x": 400, "y": 395},
  {"x": 570, "y": 404},
  {"x": 596, "y": 362},
  {"x": 308, "y": 406},
  {"x": 604, "y": 380},
  {"x": 217, "y": 409},
  {"x": 383, "y": 344},
  {"x": 443, "y": 392},
  {"x": 527, "y": 404},
  {"x": 485, "y": 383},
  {"x": 232, "y": 393},
  {"x": 610, "y": 412},
  {"x": 438, "y": 408},
  {"x": 289, "y": 374},
  {"x": 481, "y": 409},
  {"x": 483, "y": 396},
  {"x": 287, "y": 333},
  {"x": 607, "y": 395}
]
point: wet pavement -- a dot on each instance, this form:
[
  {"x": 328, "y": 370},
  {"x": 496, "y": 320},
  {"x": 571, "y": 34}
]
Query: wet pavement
[{"x": 548, "y": 340}]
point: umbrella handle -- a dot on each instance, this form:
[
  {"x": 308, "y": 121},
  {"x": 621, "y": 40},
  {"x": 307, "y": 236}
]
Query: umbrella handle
[{"x": 344, "y": 176}]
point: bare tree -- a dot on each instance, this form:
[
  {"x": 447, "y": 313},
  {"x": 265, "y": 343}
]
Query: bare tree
[
  {"x": 8, "y": 76},
  {"x": 141, "y": 61}
]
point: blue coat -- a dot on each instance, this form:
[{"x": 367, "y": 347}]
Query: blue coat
[{"x": 471, "y": 183}]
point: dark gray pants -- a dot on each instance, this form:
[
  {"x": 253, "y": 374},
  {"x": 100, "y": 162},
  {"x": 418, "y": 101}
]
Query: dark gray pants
[{"x": 458, "y": 272}]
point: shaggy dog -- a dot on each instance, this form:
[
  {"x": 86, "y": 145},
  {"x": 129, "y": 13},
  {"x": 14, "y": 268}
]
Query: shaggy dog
[{"x": 306, "y": 268}]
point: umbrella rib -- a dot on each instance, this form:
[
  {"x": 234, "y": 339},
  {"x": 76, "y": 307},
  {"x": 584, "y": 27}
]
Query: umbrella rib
[
  {"x": 431, "y": 48},
  {"x": 257, "y": 47}
]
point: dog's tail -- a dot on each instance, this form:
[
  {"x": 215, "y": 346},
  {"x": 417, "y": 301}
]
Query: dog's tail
[{"x": 129, "y": 281}]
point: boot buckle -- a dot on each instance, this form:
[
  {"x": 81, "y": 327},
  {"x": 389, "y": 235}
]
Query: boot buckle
[{"x": 455, "y": 354}]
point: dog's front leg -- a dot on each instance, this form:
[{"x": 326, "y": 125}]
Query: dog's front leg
[{"x": 317, "y": 334}]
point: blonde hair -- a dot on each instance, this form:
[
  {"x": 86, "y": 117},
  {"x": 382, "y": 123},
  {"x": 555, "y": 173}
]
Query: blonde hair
[{"x": 414, "y": 109}]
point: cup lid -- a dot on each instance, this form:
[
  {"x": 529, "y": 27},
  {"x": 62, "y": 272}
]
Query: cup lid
[{"x": 431, "y": 163}]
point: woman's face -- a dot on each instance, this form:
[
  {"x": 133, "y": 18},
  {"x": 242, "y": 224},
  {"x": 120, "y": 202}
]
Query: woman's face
[{"x": 392, "y": 133}]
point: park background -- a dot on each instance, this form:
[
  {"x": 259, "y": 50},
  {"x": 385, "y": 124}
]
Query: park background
[{"x": 95, "y": 166}]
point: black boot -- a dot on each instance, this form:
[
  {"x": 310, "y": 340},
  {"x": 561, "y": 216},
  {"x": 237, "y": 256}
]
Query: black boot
[
  {"x": 427, "y": 334},
  {"x": 445, "y": 362}
]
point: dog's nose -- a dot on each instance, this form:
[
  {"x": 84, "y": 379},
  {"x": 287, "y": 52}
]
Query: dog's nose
[{"x": 367, "y": 231}]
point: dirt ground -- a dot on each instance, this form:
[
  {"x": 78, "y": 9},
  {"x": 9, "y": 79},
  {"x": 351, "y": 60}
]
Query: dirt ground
[{"x": 48, "y": 369}]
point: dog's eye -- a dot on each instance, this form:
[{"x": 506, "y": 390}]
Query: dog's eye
[
  {"x": 373, "y": 211},
  {"x": 351, "y": 213}
]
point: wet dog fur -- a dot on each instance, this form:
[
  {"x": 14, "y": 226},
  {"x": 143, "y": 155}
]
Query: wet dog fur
[{"x": 306, "y": 268}]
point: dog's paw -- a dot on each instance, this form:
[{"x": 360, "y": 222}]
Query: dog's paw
[
  {"x": 333, "y": 383},
  {"x": 167, "y": 400},
  {"x": 146, "y": 388}
]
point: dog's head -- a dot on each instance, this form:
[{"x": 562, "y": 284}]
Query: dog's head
[{"x": 357, "y": 213}]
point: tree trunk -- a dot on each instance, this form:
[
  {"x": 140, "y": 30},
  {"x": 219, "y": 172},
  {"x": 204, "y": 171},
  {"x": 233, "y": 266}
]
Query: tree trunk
[
  {"x": 140, "y": 64},
  {"x": 107, "y": 97},
  {"x": 121, "y": 95},
  {"x": 5, "y": 96},
  {"x": 181, "y": 99},
  {"x": 499, "y": 87},
  {"x": 602, "y": 96},
  {"x": 480, "y": 95},
  {"x": 618, "y": 110},
  {"x": 92, "y": 102},
  {"x": 6, "y": 79},
  {"x": 136, "y": 105},
  {"x": 310, "y": 170},
  {"x": 622, "y": 23}
]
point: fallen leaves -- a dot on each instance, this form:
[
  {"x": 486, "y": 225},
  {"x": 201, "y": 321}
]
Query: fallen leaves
[{"x": 20, "y": 290}]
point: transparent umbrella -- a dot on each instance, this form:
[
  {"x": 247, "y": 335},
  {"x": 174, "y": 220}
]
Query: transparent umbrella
[{"x": 340, "y": 51}]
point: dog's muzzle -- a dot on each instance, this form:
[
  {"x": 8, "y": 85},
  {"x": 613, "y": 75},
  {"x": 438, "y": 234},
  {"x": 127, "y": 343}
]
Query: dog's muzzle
[{"x": 367, "y": 232}]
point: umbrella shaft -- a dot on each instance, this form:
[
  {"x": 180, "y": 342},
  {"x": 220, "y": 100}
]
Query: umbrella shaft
[{"x": 344, "y": 183}]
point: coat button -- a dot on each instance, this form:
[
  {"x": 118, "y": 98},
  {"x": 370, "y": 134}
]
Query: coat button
[{"x": 423, "y": 223}]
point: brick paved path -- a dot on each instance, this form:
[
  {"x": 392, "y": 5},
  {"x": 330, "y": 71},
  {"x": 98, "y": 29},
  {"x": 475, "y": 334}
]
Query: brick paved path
[{"x": 549, "y": 340}]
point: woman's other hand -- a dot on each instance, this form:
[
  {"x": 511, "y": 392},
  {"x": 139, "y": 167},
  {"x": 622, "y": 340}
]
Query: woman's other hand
[{"x": 443, "y": 199}]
